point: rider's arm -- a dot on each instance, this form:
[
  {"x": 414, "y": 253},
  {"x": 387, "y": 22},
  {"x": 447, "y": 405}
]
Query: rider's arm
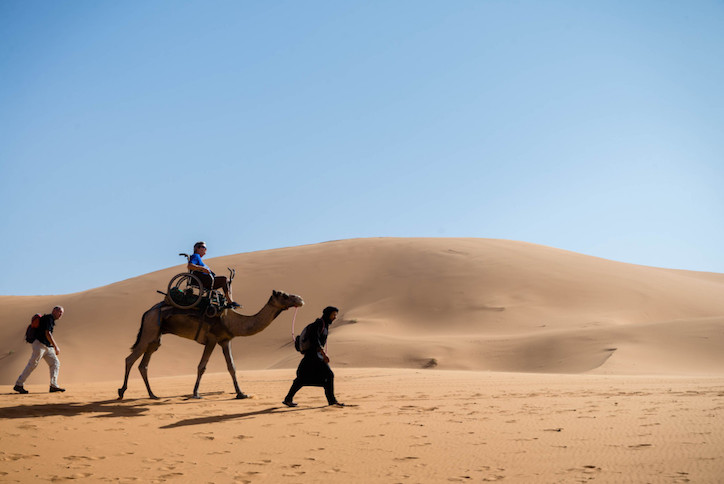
[
  {"x": 194, "y": 267},
  {"x": 197, "y": 267}
]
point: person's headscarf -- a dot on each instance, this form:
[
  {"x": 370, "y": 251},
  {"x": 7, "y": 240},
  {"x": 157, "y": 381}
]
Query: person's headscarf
[{"x": 327, "y": 311}]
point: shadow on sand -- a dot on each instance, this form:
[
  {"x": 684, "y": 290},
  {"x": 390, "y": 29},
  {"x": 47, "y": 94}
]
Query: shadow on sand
[
  {"x": 106, "y": 408},
  {"x": 129, "y": 407},
  {"x": 235, "y": 416},
  {"x": 133, "y": 408}
]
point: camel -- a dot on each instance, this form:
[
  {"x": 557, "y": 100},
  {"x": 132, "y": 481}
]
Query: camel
[{"x": 192, "y": 324}]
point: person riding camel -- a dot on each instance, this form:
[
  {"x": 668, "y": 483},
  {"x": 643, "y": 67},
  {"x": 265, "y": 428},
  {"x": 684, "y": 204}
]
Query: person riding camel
[{"x": 207, "y": 277}]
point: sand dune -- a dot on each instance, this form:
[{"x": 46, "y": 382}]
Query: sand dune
[
  {"x": 471, "y": 304},
  {"x": 577, "y": 368}
]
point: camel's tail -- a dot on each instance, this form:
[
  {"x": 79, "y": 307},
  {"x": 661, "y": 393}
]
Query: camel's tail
[
  {"x": 143, "y": 318},
  {"x": 138, "y": 336}
]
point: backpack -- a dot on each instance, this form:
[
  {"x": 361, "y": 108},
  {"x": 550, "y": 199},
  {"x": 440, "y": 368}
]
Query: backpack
[
  {"x": 301, "y": 343},
  {"x": 30, "y": 333}
]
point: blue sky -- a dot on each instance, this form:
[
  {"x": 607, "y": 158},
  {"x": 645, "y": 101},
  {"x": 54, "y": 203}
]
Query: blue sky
[{"x": 130, "y": 130}]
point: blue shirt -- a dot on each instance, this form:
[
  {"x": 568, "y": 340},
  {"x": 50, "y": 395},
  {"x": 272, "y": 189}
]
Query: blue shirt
[{"x": 196, "y": 260}]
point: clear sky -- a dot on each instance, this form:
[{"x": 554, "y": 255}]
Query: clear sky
[{"x": 130, "y": 130}]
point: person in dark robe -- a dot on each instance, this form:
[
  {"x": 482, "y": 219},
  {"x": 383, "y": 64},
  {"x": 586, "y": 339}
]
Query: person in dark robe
[{"x": 314, "y": 368}]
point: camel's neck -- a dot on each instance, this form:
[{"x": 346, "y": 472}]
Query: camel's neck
[{"x": 240, "y": 325}]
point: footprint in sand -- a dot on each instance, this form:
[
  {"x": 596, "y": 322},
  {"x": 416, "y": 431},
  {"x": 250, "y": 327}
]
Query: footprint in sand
[
  {"x": 493, "y": 478},
  {"x": 424, "y": 444},
  {"x": 205, "y": 435},
  {"x": 81, "y": 475},
  {"x": 82, "y": 457},
  {"x": 170, "y": 475},
  {"x": 255, "y": 473},
  {"x": 77, "y": 475},
  {"x": 17, "y": 456},
  {"x": 587, "y": 469}
]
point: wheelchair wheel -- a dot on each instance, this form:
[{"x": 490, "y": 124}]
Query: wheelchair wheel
[
  {"x": 211, "y": 311},
  {"x": 185, "y": 291}
]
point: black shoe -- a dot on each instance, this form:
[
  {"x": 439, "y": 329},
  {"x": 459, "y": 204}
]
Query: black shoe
[
  {"x": 56, "y": 389},
  {"x": 20, "y": 389},
  {"x": 235, "y": 305},
  {"x": 289, "y": 403},
  {"x": 337, "y": 404}
]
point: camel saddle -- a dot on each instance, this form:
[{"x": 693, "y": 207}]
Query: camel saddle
[{"x": 206, "y": 324}]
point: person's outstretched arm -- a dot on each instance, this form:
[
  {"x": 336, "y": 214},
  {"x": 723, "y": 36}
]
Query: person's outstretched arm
[{"x": 49, "y": 337}]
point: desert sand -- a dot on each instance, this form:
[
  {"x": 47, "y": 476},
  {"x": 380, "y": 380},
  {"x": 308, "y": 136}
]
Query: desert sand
[{"x": 461, "y": 360}]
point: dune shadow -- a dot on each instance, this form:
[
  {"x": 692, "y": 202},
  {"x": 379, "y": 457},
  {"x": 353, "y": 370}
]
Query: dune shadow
[{"x": 235, "y": 416}]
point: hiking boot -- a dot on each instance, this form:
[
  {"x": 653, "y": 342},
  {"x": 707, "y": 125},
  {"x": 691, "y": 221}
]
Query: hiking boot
[
  {"x": 289, "y": 403},
  {"x": 56, "y": 389},
  {"x": 20, "y": 389}
]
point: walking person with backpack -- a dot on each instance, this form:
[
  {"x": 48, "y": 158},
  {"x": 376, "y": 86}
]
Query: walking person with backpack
[
  {"x": 314, "y": 368},
  {"x": 44, "y": 346}
]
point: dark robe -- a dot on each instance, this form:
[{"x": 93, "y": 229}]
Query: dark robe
[{"x": 313, "y": 370}]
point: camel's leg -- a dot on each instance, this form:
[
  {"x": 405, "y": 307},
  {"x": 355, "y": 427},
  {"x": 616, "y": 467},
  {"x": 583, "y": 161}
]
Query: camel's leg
[
  {"x": 210, "y": 345},
  {"x": 226, "y": 347},
  {"x": 150, "y": 332},
  {"x": 130, "y": 360},
  {"x": 143, "y": 366}
]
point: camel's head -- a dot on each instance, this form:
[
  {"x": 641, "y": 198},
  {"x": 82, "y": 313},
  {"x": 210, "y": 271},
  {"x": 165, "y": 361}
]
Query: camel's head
[{"x": 286, "y": 301}]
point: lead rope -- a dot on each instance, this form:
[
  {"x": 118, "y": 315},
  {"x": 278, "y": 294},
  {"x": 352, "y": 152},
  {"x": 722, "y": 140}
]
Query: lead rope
[{"x": 293, "y": 320}]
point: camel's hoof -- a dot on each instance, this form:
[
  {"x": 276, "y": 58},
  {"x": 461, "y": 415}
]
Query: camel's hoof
[
  {"x": 242, "y": 396},
  {"x": 197, "y": 397},
  {"x": 120, "y": 393},
  {"x": 153, "y": 397}
]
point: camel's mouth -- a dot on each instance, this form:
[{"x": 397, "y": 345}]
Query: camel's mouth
[{"x": 286, "y": 300}]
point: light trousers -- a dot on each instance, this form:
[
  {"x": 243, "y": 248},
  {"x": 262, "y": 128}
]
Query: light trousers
[{"x": 41, "y": 351}]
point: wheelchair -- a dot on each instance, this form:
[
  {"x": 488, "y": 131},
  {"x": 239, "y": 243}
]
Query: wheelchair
[{"x": 186, "y": 291}]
